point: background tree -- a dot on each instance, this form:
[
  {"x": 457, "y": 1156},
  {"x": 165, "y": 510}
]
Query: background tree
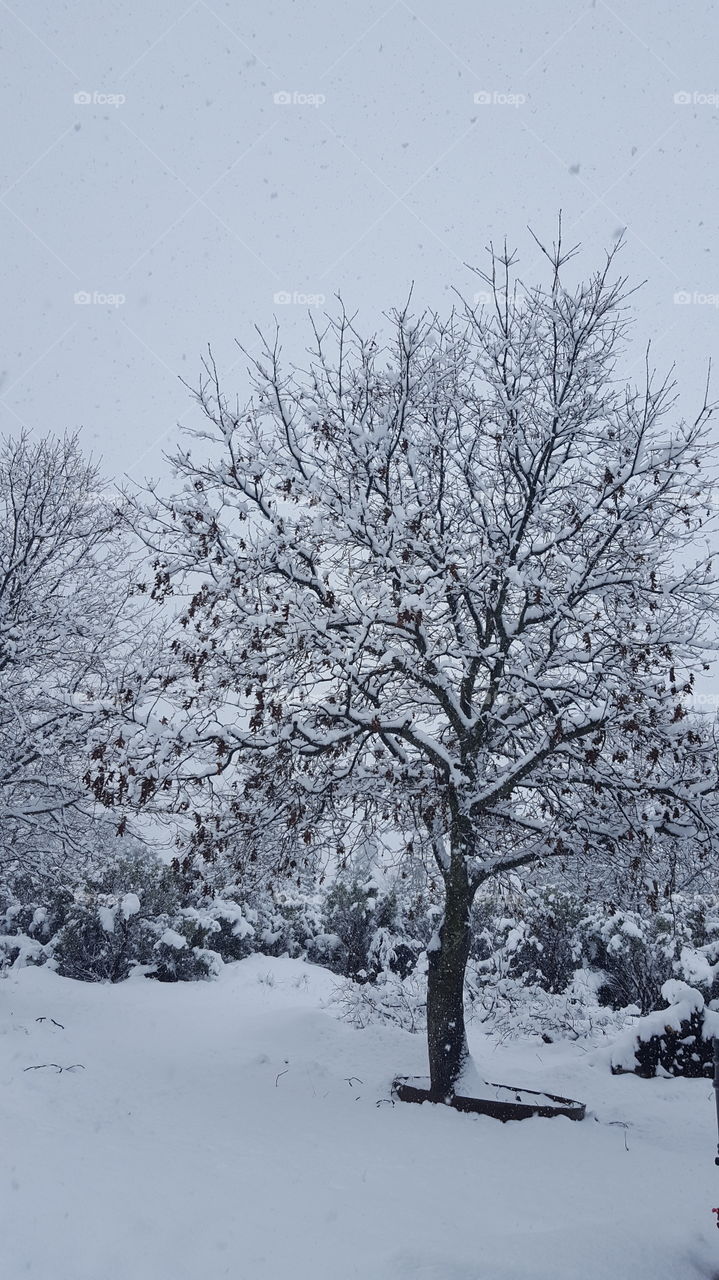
[
  {"x": 63, "y": 625},
  {"x": 454, "y": 583}
]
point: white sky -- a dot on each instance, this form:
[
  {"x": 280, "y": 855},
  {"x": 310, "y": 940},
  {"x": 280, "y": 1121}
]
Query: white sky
[{"x": 199, "y": 198}]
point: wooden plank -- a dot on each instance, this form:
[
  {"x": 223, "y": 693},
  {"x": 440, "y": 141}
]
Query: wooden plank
[{"x": 405, "y": 1091}]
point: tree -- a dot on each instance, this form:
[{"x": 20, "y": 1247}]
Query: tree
[
  {"x": 452, "y": 584},
  {"x": 63, "y": 604}
]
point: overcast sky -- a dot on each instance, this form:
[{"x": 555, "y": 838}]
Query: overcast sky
[{"x": 173, "y": 172}]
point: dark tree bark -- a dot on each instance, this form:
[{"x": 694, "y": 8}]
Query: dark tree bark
[{"x": 447, "y": 962}]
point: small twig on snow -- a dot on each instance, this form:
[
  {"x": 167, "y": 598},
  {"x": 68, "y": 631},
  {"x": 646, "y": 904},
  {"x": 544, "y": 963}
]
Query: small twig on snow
[{"x": 43, "y": 1066}]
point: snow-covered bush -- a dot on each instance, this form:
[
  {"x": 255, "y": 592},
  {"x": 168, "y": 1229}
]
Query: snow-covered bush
[
  {"x": 83, "y": 930},
  {"x": 87, "y": 922},
  {"x": 127, "y": 866},
  {"x": 506, "y": 1006},
  {"x": 546, "y": 963},
  {"x": 511, "y": 1007},
  {"x": 24, "y": 934},
  {"x": 543, "y": 936},
  {"x": 370, "y": 930},
  {"x": 638, "y": 953},
  {"x": 178, "y": 955},
  {"x": 533, "y": 935},
  {"x": 676, "y": 1041},
  {"x": 272, "y": 919},
  {"x": 101, "y": 938},
  {"x": 390, "y": 999},
  {"x": 102, "y": 926},
  {"x": 105, "y": 937},
  {"x": 353, "y": 911},
  {"x": 29, "y": 925},
  {"x": 635, "y": 953},
  {"x": 543, "y": 962}
]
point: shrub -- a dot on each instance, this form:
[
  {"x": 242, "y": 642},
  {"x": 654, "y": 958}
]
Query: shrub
[
  {"x": 676, "y": 1041},
  {"x": 539, "y": 935},
  {"x": 372, "y": 931},
  {"x": 102, "y": 938},
  {"x": 177, "y": 957}
]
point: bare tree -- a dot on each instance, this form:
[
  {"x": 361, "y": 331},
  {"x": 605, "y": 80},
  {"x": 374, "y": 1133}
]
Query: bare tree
[
  {"x": 457, "y": 580},
  {"x": 62, "y": 605}
]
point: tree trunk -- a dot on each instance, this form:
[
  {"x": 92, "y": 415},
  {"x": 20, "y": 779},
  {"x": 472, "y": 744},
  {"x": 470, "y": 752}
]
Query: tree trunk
[{"x": 447, "y": 1039}]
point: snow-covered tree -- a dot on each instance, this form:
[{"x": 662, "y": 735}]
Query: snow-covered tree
[
  {"x": 457, "y": 584},
  {"x": 62, "y": 607}
]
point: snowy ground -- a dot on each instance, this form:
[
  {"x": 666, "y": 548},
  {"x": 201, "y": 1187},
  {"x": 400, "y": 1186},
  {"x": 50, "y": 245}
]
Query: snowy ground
[{"x": 238, "y": 1129}]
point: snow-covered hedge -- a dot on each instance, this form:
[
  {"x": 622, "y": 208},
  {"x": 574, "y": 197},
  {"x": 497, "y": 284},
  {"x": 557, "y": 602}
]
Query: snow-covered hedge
[
  {"x": 544, "y": 962},
  {"x": 135, "y": 914}
]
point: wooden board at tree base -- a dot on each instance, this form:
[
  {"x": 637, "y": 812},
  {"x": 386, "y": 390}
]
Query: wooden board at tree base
[{"x": 405, "y": 1091}]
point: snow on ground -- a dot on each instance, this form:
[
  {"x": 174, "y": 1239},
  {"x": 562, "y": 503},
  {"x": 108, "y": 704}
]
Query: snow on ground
[{"x": 238, "y": 1129}]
